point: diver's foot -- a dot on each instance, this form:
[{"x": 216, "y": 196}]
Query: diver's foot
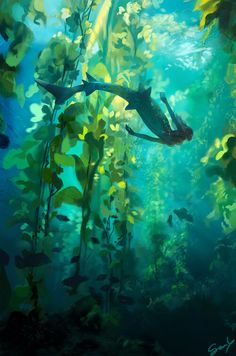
[
  {"x": 163, "y": 97},
  {"x": 129, "y": 130}
]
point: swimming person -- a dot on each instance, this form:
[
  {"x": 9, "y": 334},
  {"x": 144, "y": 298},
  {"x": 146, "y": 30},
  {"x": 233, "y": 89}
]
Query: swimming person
[{"x": 141, "y": 101}]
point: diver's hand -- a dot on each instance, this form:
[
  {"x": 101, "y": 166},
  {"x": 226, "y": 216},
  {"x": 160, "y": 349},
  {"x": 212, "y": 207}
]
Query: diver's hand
[
  {"x": 163, "y": 97},
  {"x": 129, "y": 130}
]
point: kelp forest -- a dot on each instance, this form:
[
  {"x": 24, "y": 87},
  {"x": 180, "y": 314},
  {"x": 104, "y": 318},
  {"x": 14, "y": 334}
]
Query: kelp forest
[{"x": 118, "y": 177}]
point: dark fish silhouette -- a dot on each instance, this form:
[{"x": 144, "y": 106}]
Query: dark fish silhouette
[
  {"x": 106, "y": 287},
  {"x": 101, "y": 277},
  {"x": 4, "y": 258},
  {"x": 32, "y": 260},
  {"x": 57, "y": 249},
  {"x": 170, "y": 220},
  {"x": 95, "y": 240},
  {"x": 74, "y": 259},
  {"x": 4, "y": 141},
  {"x": 62, "y": 218},
  {"x": 114, "y": 280},
  {"x": 74, "y": 281},
  {"x": 183, "y": 214}
]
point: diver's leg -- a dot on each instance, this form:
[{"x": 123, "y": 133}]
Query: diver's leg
[
  {"x": 145, "y": 137},
  {"x": 176, "y": 119}
]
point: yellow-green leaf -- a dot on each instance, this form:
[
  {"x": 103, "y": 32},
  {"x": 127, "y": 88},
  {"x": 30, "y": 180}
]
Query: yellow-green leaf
[
  {"x": 220, "y": 155},
  {"x": 104, "y": 136},
  {"x": 85, "y": 131},
  {"x": 100, "y": 71},
  {"x": 207, "y": 7},
  {"x": 101, "y": 169},
  {"x": 130, "y": 219},
  {"x": 115, "y": 127},
  {"x": 122, "y": 185},
  {"x": 112, "y": 190}
]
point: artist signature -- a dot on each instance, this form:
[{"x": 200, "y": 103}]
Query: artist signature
[{"x": 213, "y": 348}]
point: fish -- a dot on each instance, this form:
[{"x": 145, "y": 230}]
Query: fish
[
  {"x": 95, "y": 240},
  {"x": 101, "y": 277},
  {"x": 75, "y": 259},
  {"x": 114, "y": 280},
  {"x": 57, "y": 249},
  {"x": 4, "y": 141},
  {"x": 170, "y": 220},
  {"x": 4, "y": 258},
  {"x": 61, "y": 217},
  {"x": 31, "y": 260},
  {"x": 74, "y": 281},
  {"x": 124, "y": 299},
  {"x": 139, "y": 100},
  {"x": 106, "y": 287},
  {"x": 183, "y": 214}
]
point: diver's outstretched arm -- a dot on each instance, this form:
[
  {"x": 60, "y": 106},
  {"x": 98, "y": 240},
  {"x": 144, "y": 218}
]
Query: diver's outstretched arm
[
  {"x": 145, "y": 137},
  {"x": 176, "y": 119}
]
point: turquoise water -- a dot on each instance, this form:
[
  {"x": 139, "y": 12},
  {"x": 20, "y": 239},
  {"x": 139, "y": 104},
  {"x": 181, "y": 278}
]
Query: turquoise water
[{"x": 111, "y": 243}]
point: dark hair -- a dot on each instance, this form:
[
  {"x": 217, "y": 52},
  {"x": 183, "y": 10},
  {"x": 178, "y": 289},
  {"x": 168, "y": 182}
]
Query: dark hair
[{"x": 189, "y": 133}]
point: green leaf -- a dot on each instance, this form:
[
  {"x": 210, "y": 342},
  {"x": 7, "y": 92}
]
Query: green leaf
[
  {"x": 23, "y": 38},
  {"x": 111, "y": 247},
  {"x": 103, "y": 253},
  {"x": 47, "y": 175},
  {"x": 29, "y": 186},
  {"x": 115, "y": 264},
  {"x": 55, "y": 144},
  {"x": 59, "y": 54},
  {"x": 33, "y": 89},
  {"x": 44, "y": 133},
  {"x": 80, "y": 171},
  {"x": 57, "y": 182},
  {"x": 74, "y": 110},
  {"x": 7, "y": 83},
  {"x": 70, "y": 195},
  {"x": 208, "y": 7},
  {"x": 66, "y": 144},
  {"x": 100, "y": 71},
  {"x": 22, "y": 292},
  {"x": 20, "y": 296},
  {"x": 98, "y": 221},
  {"x": 64, "y": 160},
  {"x": 37, "y": 11},
  {"x": 20, "y": 93}
]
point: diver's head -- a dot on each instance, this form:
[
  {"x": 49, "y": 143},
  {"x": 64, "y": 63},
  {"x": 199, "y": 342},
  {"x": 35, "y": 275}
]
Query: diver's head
[{"x": 188, "y": 133}]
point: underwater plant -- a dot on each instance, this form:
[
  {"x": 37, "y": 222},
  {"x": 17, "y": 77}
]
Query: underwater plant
[
  {"x": 44, "y": 144},
  {"x": 116, "y": 245},
  {"x": 222, "y": 13},
  {"x": 17, "y": 38}
]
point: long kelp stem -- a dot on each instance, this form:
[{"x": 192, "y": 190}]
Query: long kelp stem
[{"x": 64, "y": 79}]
